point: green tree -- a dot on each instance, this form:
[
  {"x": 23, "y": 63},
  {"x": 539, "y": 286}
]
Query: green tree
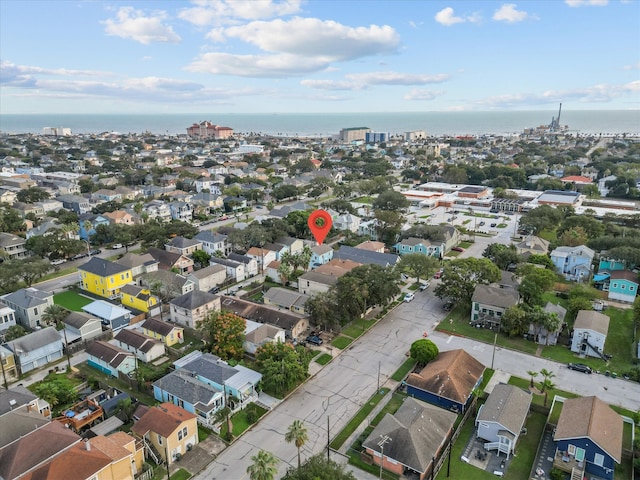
[
  {"x": 502, "y": 255},
  {"x": 423, "y": 351},
  {"x": 282, "y": 366},
  {"x": 225, "y": 331},
  {"x": 32, "y": 195},
  {"x": 298, "y": 435},
  {"x": 201, "y": 257},
  {"x": 32, "y": 268},
  {"x": 514, "y": 321},
  {"x": 418, "y": 265},
  {"x": 540, "y": 259},
  {"x": 319, "y": 467},
  {"x": 533, "y": 374},
  {"x": 263, "y": 466},
  {"x": 125, "y": 409},
  {"x": 391, "y": 200},
  {"x": 460, "y": 277},
  {"x": 13, "y": 332},
  {"x": 535, "y": 283},
  {"x": 54, "y": 314},
  {"x": 224, "y": 415},
  {"x": 322, "y": 310}
]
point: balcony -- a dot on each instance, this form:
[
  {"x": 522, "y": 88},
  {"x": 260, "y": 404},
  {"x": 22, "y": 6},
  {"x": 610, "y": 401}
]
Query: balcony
[{"x": 568, "y": 463}]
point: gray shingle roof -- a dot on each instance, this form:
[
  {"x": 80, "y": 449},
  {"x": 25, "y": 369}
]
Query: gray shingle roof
[
  {"x": 211, "y": 367},
  {"x": 182, "y": 385},
  {"x": 507, "y": 405},
  {"x": 495, "y": 296},
  {"x": 591, "y": 320},
  {"x": 102, "y": 268},
  {"x": 365, "y": 256},
  {"x": 35, "y": 340},
  {"x": 194, "y": 299},
  {"x": 28, "y": 297}
]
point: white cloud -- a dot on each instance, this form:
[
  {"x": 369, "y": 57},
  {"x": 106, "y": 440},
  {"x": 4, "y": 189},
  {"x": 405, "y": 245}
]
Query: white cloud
[
  {"x": 295, "y": 47},
  {"x": 26, "y": 76},
  {"x": 422, "y": 95},
  {"x": 396, "y": 78},
  {"x": 447, "y": 18},
  {"x": 218, "y": 12},
  {"x": 633, "y": 66},
  {"x": 133, "y": 24},
  {"x": 584, "y": 3},
  {"x": 331, "y": 85},
  {"x": 509, "y": 13}
]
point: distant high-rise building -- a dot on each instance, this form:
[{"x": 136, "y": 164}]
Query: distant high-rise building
[
  {"x": 56, "y": 131},
  {"x": 353, "y": 134},
  {"x": 209, "y": 130},
  {"x": 415, "y": 135},
  {"x": 376, "y": 137}
]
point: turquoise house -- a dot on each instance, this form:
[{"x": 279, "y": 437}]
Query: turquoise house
[
  {"x": 420, "y": 245},
  {"x": 620, "y": 283}
]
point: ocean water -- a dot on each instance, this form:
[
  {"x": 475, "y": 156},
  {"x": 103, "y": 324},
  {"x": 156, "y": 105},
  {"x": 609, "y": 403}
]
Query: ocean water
[{"x": 325, "y": 124}]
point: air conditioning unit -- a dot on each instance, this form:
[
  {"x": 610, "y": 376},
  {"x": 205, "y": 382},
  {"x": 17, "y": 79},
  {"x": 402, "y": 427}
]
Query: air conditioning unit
[{"x": 189, "y": 447}]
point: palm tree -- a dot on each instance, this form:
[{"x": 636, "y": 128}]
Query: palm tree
[
  {"x": 547, "y": 375},
  {"x": 263, "y": 466},
  {"x": 533, "y": 375},
  {"x": 297, "y": 433},
  {"x": 54, "y": 314},
  {"x": 545, "y": 386}
]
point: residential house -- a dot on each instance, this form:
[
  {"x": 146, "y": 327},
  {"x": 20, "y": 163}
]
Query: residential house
[
  {"x": 140, "y": 299},
  {"x": 371, "y": 246},
  {"x": 25, "y": 209},
  {"x": 89, "y": 222},
  {"x": 169, "y": 429},
  {"x": 292, "y": 245},
  {"x": 408, "y": 441},
  {"x": 489, "y": 303},
  {"x": 285, "y": 298},
  {"x": 109, "y": 359},
  {"x": 209, "y": 277},
  {"x": 448, "y": 381},
  {"x": 347, "y": 222},
  {"x": 7, "y": 318},
  {"x": 278, "y": 248},
  {"x": 532, "y": 245},
  {"x": 193, "y": 307},
  {"x": 104, "y": 278},
  {"x": 588, "y": 438},
  {"x": 234, "y": 203},
  {"x": 183, "y": 246},
  {"x": 181, "y": 211},
  {"x": 138, "y": 263},
  {"x": 540, "y": 334},
  {"x": 171, "y": 261},
  {"x": 614, "y": 277},
  {"x": 47, "y": 227},
  {"x": 166, "y": 332},
  {"x": 263, "y": 256},
  {"x": 211, "y": 185},
  {"x": 235, "y": 270},
  {"x": 145, "y": 348},
  {"x": 422, "y": 246},
  {"x": 75, "y": 203},
  {"x": 180, "y": 388},
  {"x": 13, "y": 247},
  {"x": 574, "y": 263},
  {"x": 121, "y": 217},
  {"x": 250, "y": 263},
  {"x": 320, "y": 254},
  {"x": 590, "y": 330},
  {"x": 80, "y": 326},
  {"x": 158, "y": 209},
  {"x": 239, "y": 383},
  {"x": 173, "y": 283},
  {"x": 36, "y": 447},
  {"x": 314, "y": 283},
  {"x": 206, "y": 202},
  {"x": 105, "y": 195},
  {"x": 294, "y": 325},
  {"x": 258, "y": 334},
  {"x": 28, "y": 305},
  {"x": 365, "y": 257},
  {"x": 36, "y": 349},
  {"x": 110, "y": 315},
  {"x": 9, "y": 367},
  {"x": 212, "y": 242},
  {"x": 501, "y": 418},
  {"x": 21, "y": 412},
  {"x": 271, "y": 271}
]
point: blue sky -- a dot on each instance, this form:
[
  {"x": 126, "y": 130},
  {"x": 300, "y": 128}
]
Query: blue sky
[{"x": 280, "y": 56}]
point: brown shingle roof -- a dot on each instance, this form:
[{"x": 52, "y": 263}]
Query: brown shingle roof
[
  {"x": 591, "y": 417},
  {"x": 158, "y": 326},
  {"x": 108, "y": 353},
  {"x": 451, "y": 375},
  {"x": 135, "y": 339},
  {"x": 163, "y": 419}
]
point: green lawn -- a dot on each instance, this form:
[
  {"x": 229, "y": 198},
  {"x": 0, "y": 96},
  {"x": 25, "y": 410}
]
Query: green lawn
[
  {"x": 465, "y": 244},
  {"x": 71, "y": 300},
  {"x": 323, "y": 359},
  {"x": 363, "y": 199},
  {"x": 357, "y": 327},
  {"x": 203, "y": 433},
  {"x": 240, "y": 420},
  {"x": 527, "y": 447},
  {"x": 358, "y": 418},
  {"x": 91, "y": 372},
  {"x": 538, "y": 399},
  {"x": 404, "y": 369},
  {"x": 342, "y": 342}
]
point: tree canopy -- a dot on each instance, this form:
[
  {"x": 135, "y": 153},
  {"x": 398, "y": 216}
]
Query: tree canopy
[
  {"x": 282, "y": 366},
  {"x": 319, "y": 467},
  {"x": 225, "y": 331},
  {"x": 460, "y": 277},
  {"x": 423, "y": 351}
]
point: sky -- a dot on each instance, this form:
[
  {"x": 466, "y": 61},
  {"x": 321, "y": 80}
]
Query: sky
[{"x": 324, "y": 56}]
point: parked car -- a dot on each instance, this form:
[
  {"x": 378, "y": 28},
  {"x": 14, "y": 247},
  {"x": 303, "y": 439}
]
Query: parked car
[
  {"x": 314, "y": 340},
  {"x": 116, "y": 246},
  {"x": 214, "y": 290},
  {"x": 59, "y": 261},
  {"x": 448, "y": 305},
  {"x": 481, "y": 224},
  {"x": 580, "y": 367},
  {"x": 97, "y": 251},
  {"x": 424, "y": 286},
  {"x": 493, "y": 225},
  {"x": 408, "y": 297},
  {"x": 458, "y": 249},
  {"x": 438, "y": 274}
]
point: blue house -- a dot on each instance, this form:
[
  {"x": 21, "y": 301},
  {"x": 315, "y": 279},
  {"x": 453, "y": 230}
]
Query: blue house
[
  {"x": 588, "y": 438},
  {"x": 574, "y": 263},
  {"x": 420, "y": 245},
  {"x": 320, "y": 254},
  {"x": 110, "y": 359},
  {"x": 182, "y": 389},
  {"x": 110, "y": 315},
  {"x": 36, "y": 349},
  {"x": 448, "y": 381},
  {"x": 613, "y": 277},
  {"x": 239, "y": 383},
  {"x": 88, "y": 224}
]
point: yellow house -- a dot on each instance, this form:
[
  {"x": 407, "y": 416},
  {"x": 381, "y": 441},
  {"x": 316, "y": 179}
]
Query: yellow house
[
  {"x": 170, "y": 429},
  {"x": 168, "y": 333},
  {"x": 104, "y": 278},
  {"x": 8, "y": 365},
  {"x": 138, "y": 298}
]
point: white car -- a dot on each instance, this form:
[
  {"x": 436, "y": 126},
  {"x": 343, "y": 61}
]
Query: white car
[
  {"x": 424, "y": 286},
  {"x": 408, "y": 297},
  {"x": 116, "y": 246}
]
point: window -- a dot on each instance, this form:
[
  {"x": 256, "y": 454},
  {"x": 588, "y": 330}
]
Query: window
[
  {"x": 35, "y": 311},
  {"x": 571, "y": 449},
  {"x": 182, "y": 433},
  {"x": 159, "y": 440},
  {"x": 598, "y": 459},
  {"x": 622, "y": 286}
]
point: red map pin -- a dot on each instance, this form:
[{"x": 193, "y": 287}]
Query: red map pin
[{"x": 320, "y": 223}]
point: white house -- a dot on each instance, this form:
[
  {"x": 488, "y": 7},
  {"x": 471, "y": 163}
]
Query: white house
[
  {"x": 589, "y": 333},
  {"x": 259, "y": 334},
  {"x": 80, "y": 326},
  {"x": 145, "y": 348}
]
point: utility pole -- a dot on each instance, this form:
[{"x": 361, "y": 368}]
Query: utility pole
[
  {"x": 66, "y": 348},
  {"x": 493, "y": 355},
  {"x": 384, "y": 439},
  {"x": 328, "y": 439},
  {"x": 4, "y": 375}
]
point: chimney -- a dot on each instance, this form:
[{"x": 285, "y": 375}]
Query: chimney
[{"x": 87, "y": 445}]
